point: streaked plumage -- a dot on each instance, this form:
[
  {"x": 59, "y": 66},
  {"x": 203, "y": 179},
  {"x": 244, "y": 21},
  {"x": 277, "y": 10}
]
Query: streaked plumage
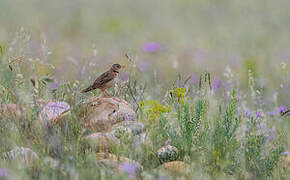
[{"x": 105, "y": 80}]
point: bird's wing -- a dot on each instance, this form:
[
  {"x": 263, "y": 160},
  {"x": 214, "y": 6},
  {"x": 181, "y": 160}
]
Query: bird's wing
[{"x": 103, "y": 79}]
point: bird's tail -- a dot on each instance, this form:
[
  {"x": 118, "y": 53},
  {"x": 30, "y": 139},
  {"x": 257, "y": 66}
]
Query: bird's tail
[{"x": 87, "y": 89}]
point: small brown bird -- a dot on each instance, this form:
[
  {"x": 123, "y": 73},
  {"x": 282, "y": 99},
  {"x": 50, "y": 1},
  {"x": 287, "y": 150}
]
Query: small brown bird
[{"x": 105, "y": 80}]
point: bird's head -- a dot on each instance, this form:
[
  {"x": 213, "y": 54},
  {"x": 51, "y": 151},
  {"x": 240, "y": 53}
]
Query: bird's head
[{"x": 116, "y": 67}]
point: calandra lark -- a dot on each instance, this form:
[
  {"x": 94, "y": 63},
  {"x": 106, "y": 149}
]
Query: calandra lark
[{"x": 105, "y": 80}]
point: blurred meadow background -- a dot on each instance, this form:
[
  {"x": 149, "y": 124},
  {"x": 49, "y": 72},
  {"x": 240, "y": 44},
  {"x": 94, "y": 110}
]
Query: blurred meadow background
[{"x": 210, "y": 76}]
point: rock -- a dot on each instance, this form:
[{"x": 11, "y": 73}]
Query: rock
[
  {"x": 54, "y": 110},
  {"x": 167, "y": 153},
  {"x": 11, "y": 109},
  {"x": 122, "y": 132},
  {"x": 125, "y": 132},
  {"x": 102, "y": 142},
  {"x": 115, "y": 120},
  {"x": 175, "y": 167},
  {"x": 131, "y": 132},
  {"x": 3, "y": 173},
  {"x": 105, "y": 112},
  {"x": 287, "y": 161},
  {"x": 119, "y": 164},
  {"x": 21, "y": 154},
  {"x": 135, "y": 127},
  {"x": 15, "y": 109}
]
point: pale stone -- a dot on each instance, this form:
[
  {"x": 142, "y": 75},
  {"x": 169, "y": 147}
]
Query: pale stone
[
  {"x": 102, "y": 142},
  {"x": 115, "y": 163},
  {"x": 53, "y": 111},
  {"x": 135, "y": 127},
  {"x": 103, "y": 113},
  {"x": 21, "y": 154},
  {"x": 175, "y": 167}
]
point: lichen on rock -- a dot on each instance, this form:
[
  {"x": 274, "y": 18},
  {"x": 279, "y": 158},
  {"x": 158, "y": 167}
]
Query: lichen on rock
[
  {"x": 53, "y": 110},
  {"x": 167, "y": 153},
  {"x": 21, "y": 154}
]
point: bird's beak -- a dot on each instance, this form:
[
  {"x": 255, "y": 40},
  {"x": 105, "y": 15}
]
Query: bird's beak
[{"x": 123, "y": 66}]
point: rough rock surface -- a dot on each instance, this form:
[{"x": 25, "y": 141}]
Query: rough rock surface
[
  {"x": 53, "y": 110},
  {"x": 103, "y": 113},
  {"x": 118, "y": 163},
  {"x": 175, "y": 167},
  {"x": 9, "y": 109},
  {"x": 21, "y": 154},
  {"x": 114, "y": 121},
  {"x": 128, "y": 132},
  {"x": 167, "y": 153},
  {"x": 135, "y": 127},
  {"x": 102, "y": 142},
  {"x": 15, "y": 109},
  {"x": 12, "y": 109}
]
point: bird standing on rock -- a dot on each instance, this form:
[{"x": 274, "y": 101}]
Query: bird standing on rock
[{"x": 105, "y": 80}]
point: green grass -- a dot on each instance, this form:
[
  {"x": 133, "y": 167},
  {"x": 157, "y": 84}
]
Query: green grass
[{"x": 206, "y": 129}]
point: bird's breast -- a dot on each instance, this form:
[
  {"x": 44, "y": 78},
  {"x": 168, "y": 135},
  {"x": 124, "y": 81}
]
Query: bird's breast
[{"x": 110, "y": 84}]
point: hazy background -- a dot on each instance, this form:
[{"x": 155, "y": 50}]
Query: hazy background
[{"x": 81, "y": 37}]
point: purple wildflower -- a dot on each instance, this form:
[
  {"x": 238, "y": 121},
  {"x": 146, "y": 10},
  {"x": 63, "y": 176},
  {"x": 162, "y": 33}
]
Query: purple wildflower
[
  {"x": 129, "y": 168},
  {"x": 282, "y": 108},
  {"x": 162, "y": 178},
  {"x": 144, "y": 66},
  {"x": 152, "y": 47},
  {"x": 272, "y": 113},
  {"x": 124, "y": 76},
  {"x": 261, "y": 126},
  {"x": 277, "y": 111},
  {"x": 271, "y": 135},
  {"x": 259, "y": 114},
  {"x": 3, "y": 173},
  {"x": 54, "y": 86},
  {"x": 285, "y": 153},
  {"x": 249, "y": 113},
  {"x": 216, "y": 84},
  {"x": 193, "y": 79}
]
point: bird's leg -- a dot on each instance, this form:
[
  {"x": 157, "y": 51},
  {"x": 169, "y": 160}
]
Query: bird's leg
[{"x": 106, "y": 94}]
